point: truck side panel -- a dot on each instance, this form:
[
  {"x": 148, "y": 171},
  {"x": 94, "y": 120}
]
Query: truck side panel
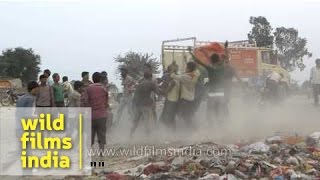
[{"x": 245, "y": 61}]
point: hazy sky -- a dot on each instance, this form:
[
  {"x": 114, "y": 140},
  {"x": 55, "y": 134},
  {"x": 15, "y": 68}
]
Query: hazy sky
[{"x": 72, "y": 36}]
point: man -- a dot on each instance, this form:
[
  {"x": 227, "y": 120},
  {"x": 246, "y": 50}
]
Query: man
[
  {"x": 74, "y": 101},
  {"x": 200, "y": 88},
  {"x": 58, "y": 91},
  {"x": 47, "y": 73},
  {"x": 187, "y": 82},
  {"x": 315, "y": 81},
  {"x": 216, "y": 103},
  {"x": 283, "y": 86},
  {"x": 75, "y": 96},
  {"x": 24, "y": 109},
  {"x": 147, "y": 69},
  {"x": 104, "y": 79},
  {"x": 171, "y": 92},
  {"x": 128, "y": 88},
  {"x": 143, "y": 103},
  {"x": 229, "y": 74},
  {"x": 67, "y": 86},
  {"x": 85, "y": 79},
  {"x": 28, "y": 99},
  {"x": 45, "y": 96},
  {"x": 96, "y": 97},
  {"x": 272, "y": 84}
]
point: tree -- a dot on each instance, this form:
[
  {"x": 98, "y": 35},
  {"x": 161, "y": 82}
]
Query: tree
[
  {"x": 291, "y": 48},
  {"x": 261, "y": 31},
  {"x": 3, "y": 66},
  {"x": 20, "y": 63},
  {"x": 135, "y": 63}
]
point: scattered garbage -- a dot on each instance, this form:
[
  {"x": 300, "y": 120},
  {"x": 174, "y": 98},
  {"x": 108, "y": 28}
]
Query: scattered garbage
[
  {"x": 210, "y": 177},
  {"x": 258, "y": 147},
  {"x": 313, "y": 139},
  {"x": 275, "y": 140},
  {"x": 116, "y": 176},
  {"x": 279, "y": 157},
  {"x": 154, "y": 169}
]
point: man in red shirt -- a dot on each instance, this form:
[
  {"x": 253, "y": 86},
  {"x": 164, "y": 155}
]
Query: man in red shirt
[{"x": 96, "y": 97}]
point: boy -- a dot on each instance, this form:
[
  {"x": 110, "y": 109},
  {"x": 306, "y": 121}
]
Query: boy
[
  {"x": 24, "y": 108},
  {"x": 58, "y": 91},
  {"x": 143, "y": 103},
  {"x": 96, "y": 97},
  {"x": 47, "y": 73},
  {"x": 85, "y": 79},
  {"x": 74, "y": 98},
  {"x": 45, "y": 96}
]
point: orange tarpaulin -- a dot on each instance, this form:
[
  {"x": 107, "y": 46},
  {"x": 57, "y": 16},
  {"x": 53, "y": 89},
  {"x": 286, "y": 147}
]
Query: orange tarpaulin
[{"x": 204, "y": 52}]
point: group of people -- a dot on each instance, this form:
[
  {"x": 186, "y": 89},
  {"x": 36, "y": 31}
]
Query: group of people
[
  {"x": 183, "y": 93},
  {"x": 50, "y": 92},
  {"x": 276, "y": 83}
]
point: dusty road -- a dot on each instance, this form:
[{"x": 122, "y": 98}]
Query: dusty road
[{"x": 296, "y": 115}]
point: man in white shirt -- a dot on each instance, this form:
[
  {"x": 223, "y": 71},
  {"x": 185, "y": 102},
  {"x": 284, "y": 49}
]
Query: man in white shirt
[
  {"x": 272, "y": 83},
  {"x": 275, "y": 76},
  {"x": 187, "y": 82},
  {"x": 68, "y": 89},
  {"x": 315, "y": 81}
]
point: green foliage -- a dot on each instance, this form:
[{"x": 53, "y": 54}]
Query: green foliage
[
  {"x": 291, "y": 48},
  {"x": 20, "y": 63},
  {"x": 135, "y": 63},
  {"x": 261, "y": 31}
]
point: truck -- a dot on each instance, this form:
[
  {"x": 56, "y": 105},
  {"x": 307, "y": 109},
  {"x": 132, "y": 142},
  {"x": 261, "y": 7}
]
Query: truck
[
  {"x": 250, "y": 62},
  {"x": 248, "y": 59}
]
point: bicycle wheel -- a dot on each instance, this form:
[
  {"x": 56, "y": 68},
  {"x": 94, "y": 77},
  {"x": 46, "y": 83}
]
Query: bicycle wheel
[{"x": 6, "y": 101}]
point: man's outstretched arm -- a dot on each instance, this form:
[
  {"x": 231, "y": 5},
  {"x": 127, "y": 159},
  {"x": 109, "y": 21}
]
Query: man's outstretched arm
[{"x": 196, "y": 59}]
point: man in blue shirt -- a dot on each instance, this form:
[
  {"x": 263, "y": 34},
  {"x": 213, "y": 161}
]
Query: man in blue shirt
[
  {"x": 24, "y": 108},
  {"x": 25, "y": 103},
  {"x": 28, "y": 99}
]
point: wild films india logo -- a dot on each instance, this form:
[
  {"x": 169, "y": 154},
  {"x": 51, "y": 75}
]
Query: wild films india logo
[{"x": 50, "y": 142}]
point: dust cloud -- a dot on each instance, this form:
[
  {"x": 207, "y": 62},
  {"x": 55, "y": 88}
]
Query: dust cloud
[{"x": 294, "y": 116}]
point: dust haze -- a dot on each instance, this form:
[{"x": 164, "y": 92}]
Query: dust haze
[{"x": 294, "y": 116}]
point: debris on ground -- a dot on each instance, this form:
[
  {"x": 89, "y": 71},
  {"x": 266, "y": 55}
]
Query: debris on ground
[{"x": 279, "y": 157}]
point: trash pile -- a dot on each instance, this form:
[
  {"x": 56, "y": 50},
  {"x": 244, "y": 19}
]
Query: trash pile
[{"x": 279, "y": 157}]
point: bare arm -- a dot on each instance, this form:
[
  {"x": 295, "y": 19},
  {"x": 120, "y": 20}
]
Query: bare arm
[
  {"x": 187, "y": 79},
  {"x": 196, "y": 59}
]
